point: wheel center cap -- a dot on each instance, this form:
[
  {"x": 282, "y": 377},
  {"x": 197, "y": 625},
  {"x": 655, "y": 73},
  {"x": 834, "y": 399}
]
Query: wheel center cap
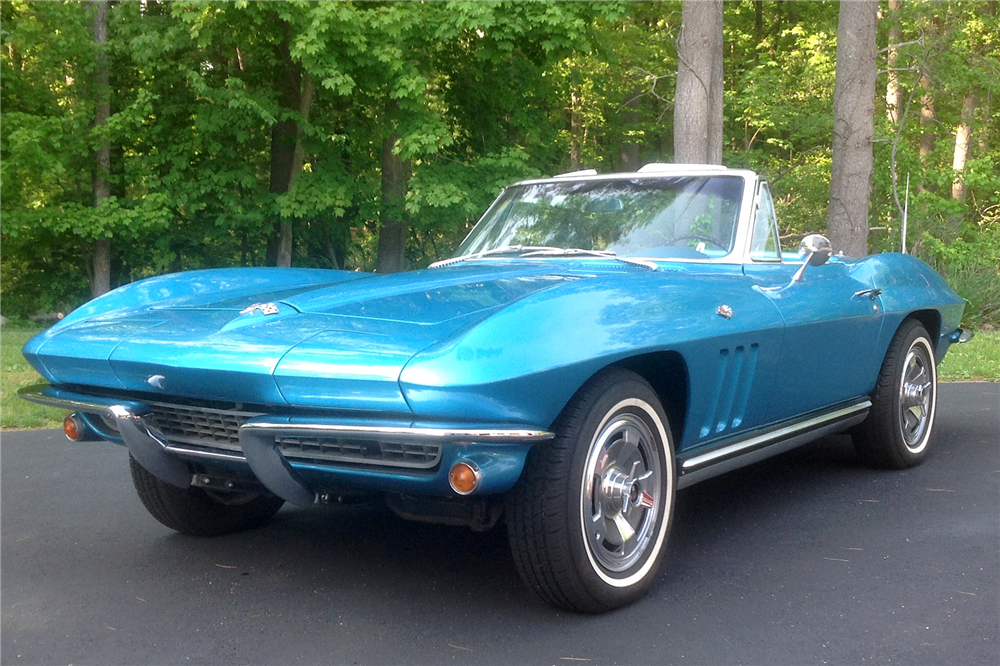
[{"x": 617, "y": 488}]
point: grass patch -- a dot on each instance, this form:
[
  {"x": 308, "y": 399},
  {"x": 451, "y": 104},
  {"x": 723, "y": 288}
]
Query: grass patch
[
  {"x": 976, "y": 360},
  {"x": 15, "y": 373}
]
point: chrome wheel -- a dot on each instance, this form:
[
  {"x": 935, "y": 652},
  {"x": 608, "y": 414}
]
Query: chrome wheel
[
  {"x": 916, "y": 395},
  {"x": 621, "y": 494}
]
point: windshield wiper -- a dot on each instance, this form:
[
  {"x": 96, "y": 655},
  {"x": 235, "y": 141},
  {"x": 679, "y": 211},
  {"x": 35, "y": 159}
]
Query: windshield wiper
[
  {"x": 546, "y": 251},
  {"x": 506, "y": 249},
  {"x": 576, "y": 251}
]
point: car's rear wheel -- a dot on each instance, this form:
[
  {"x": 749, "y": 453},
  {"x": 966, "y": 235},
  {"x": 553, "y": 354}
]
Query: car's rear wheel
[
  {"x": 898, "y": 428},
  {"x": 589, "y": 517},
  {"x": 195, "y": 511}
]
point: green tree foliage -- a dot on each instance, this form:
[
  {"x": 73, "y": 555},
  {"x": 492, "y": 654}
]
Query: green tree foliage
[
  {"x": 476, "y": 94},
  {"x": 950, "y": 51}
]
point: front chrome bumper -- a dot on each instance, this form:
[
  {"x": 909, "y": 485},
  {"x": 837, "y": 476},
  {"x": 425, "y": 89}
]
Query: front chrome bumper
[{"x": 288, "y": 455}]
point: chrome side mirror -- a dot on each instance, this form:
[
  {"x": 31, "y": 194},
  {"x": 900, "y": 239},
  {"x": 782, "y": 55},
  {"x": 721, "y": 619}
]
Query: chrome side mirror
[{"x": 815, "y": 250}]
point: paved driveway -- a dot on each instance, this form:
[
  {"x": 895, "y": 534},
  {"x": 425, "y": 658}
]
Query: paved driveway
[{"x": 805, "y": 558}]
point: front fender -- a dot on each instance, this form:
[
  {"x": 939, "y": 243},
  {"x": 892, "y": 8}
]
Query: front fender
[
  {"x": 910, "y": 286},
  {"x": 524, "y": 363}
]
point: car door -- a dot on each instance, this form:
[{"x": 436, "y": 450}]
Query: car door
[{"x": 832, "y": 319}]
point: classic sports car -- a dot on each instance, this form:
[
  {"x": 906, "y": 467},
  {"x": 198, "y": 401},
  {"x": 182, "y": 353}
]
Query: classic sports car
[{"x": 596, "y": 344}]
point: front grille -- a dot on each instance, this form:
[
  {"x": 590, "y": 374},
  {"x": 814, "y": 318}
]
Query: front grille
[
  {"x": 203, "y": 426},
  {"x": 365, "y": 452},
  {"x": 213, "y": 429}
]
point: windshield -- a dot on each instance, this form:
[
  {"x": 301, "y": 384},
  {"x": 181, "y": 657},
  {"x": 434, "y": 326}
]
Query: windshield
[{"x": 675, "y": 217}]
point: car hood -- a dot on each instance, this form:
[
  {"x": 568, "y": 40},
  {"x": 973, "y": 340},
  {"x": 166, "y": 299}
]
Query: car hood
[{"x": 326, "y": 339}]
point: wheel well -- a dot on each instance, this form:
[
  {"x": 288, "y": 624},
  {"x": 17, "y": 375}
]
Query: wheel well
[
  {"x": 930, "y": 319},
  {"x": 667, "y": 373}
]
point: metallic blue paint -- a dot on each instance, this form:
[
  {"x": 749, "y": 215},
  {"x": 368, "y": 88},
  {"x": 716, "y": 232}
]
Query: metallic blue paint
[{"x": 501, "y": 342}]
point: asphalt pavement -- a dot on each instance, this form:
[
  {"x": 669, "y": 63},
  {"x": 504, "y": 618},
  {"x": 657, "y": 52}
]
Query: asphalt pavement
[{"x": 807, "y": 558}]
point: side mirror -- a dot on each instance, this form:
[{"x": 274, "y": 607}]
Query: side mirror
[{"x": 815, "y": 250}]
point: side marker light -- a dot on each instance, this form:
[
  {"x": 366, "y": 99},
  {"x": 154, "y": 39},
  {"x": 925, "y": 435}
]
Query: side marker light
[
  {"x": 72, "y": 428},
  {"x": 465, "y": 477}
]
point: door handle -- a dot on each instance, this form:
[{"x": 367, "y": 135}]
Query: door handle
[{"x": 870, "y": 293}]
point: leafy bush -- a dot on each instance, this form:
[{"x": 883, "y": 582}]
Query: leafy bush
[{"x": 971, "y": 265}]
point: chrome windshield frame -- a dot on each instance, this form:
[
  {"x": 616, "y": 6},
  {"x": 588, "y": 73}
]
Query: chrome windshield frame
[{"x": 737, "y": 253}]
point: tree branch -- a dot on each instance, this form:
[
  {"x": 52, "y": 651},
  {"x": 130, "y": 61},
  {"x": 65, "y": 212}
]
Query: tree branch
[
  {"x": 795, "y": 165},
  {"x": 919, "y": 40}
]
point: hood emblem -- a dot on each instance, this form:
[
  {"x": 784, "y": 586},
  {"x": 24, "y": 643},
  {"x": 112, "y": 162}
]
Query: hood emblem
[
  {"x": 725, "y": 311},
  {"x": 156, "y": 381},
  {"x": 265, "y": 309}
]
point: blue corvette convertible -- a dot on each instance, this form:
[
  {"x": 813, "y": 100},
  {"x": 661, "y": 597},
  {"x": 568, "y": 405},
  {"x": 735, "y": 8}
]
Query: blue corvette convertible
[{"x": 597, "y": 343}]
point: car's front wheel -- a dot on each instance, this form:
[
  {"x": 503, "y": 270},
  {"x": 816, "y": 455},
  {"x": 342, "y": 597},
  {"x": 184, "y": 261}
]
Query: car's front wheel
[
  {"x": 195, "y": 511},
  {"x": 898, "y": 428},
  {"x": 589, "y": 518}
]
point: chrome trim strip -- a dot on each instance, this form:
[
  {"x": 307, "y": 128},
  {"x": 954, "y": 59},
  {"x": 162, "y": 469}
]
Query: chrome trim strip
[
  {"x": 199, "y": 453},
  {"x": 775, "y": 435},
  {"x": 349, "y": 431},
  {"x": 108, "y": 407},
  {"x": 765, "y": 452}
]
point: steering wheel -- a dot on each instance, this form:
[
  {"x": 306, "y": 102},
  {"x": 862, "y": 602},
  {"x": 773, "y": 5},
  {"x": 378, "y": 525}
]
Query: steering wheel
[{"x": 699, "y": 237}]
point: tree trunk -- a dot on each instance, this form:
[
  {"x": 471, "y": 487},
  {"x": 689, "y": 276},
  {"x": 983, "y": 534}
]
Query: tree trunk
[
  {"x": 758, "y": 21},
  {"x": 284, "y": 138},
  {"x": 853, "y": 127},
  {"x": 893, "y": 95},
  {"x": 628, "y": 151},
  {"x": 574, "y": 134},
  {"x": 285, "y": 240},
  {"x": 575, "y": 125},
  {"x": 927, "y": 137},
  {"x": 963, "y": 140},
  {"x": 100, "y": 281},
  {"x": 698, "y": 97},
  {"x": 395, "y": 178}
]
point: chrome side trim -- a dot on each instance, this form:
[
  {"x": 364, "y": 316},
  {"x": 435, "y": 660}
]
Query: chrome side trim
[
  {"x": 457, "y": 435},
  {"x": 775, "y": 436}
]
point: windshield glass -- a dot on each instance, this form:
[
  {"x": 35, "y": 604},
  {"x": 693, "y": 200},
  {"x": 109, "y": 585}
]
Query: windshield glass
[{"x": 675, "y": 217}]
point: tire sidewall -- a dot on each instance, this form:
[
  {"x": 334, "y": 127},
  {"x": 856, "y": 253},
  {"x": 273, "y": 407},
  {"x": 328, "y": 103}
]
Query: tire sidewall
[
  {"x": 916, "y": 337},
  {"x": 635, "y": 397}
]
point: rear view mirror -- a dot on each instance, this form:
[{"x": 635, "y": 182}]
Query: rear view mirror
[{"x": 815, "y": 250}]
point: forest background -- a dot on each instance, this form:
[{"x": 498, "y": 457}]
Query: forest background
[{"x": 366, "y": 136}]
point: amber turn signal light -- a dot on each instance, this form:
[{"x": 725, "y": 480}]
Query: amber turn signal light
[
  {"x": 72, "y": 428},
  {"x": 464, "y": 477}
]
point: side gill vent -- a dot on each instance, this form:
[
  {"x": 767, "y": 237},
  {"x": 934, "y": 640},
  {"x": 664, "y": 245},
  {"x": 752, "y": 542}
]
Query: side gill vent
[{"x": 731, "y": 392}]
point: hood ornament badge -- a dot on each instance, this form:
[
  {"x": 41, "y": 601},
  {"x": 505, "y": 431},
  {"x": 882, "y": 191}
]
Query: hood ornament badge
[
  {"x": 156, "y": 381},
  {"x": 725, "y": 311},
  {"x": 265, "y": 309}
]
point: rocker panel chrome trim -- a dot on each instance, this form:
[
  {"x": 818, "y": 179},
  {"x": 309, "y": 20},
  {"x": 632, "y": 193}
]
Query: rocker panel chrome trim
[{"x": 759, "y": 447}]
